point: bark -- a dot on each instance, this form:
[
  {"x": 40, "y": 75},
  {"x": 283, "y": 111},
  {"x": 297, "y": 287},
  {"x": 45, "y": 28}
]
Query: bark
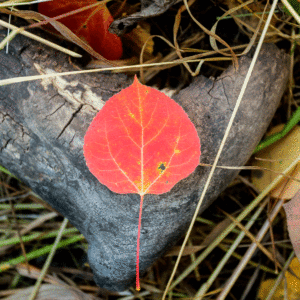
[{"x": 43, "y": 122}]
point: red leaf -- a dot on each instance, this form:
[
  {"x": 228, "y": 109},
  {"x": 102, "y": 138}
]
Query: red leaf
[
  {"x": 292, "y": 210},
  {"x": 141, "y": 142},
  {"x": 90, "y": 25}
]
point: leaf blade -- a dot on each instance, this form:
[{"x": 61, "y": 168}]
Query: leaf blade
[
  {"x": 89, "y": 25},
  {"x": 141, "y": 142}
]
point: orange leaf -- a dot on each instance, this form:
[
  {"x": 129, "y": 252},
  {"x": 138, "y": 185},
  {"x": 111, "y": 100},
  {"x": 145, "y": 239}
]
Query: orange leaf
[
  {"x": 91, "y": 25},
  {"x": 141, "y": 142}
]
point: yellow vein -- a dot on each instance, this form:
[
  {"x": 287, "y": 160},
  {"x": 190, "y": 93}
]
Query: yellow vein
[{"x": 124, "y": 173}]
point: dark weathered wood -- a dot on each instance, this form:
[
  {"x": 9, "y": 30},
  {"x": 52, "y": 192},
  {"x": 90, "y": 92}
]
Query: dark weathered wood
[
  {"x": 149, "y": 8},
  {"x": 42, "y": 125}
]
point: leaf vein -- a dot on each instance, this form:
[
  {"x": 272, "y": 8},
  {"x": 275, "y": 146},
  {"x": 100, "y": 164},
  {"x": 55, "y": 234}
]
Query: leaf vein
[{"x": 123, "y": 172}]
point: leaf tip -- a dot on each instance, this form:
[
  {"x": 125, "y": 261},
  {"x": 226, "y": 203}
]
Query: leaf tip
[{"x": 136, "y": 81}]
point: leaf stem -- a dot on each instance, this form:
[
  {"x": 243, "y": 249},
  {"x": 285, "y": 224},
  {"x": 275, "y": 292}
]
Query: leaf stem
[{"x": 138, "y": 246}]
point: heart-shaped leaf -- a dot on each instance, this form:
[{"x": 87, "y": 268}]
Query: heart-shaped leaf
[{"x": 141, "y": 142}]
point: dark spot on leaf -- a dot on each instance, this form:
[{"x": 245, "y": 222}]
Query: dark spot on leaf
[{"x": 162, "y": 167}]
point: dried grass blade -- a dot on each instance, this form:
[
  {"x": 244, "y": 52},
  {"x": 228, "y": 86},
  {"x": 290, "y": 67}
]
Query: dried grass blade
[{"x": 39, "y": 39}]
